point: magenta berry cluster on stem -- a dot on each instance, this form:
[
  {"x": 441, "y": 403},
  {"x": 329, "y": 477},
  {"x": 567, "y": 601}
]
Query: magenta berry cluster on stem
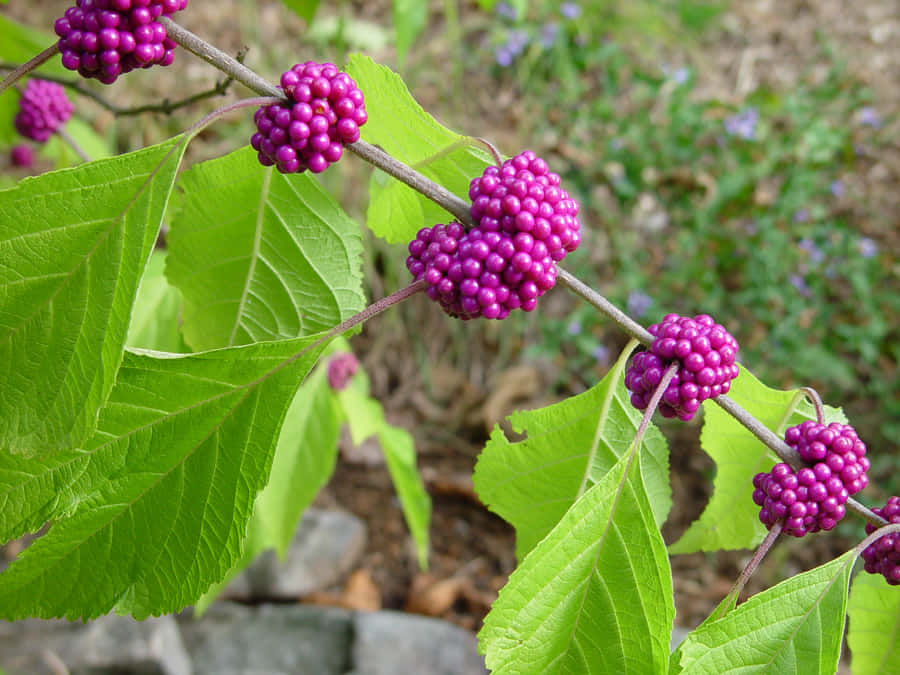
[
  {"x": 524, "y": 224},
  {"x": 341, "y": 368},
  {"x": 103, "y": 39},
  {"x": 705, "y": 353},
  {"x": 325, "y": 110},
  {"x": 883, "y": 555},
  {"x": 21, "y": 155},
  {"x": 43, "y": 108},
  {"x": 812, "y": 498}
]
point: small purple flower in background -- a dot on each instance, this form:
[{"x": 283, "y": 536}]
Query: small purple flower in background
[
  {"x": 601, "y": 353},
  {"x": 801, "y": 216},
  {"x": 816, "y": 255},
  {"x": 506, "y": 10},
  {"x": 341, "y": 367},
  {"x": 678, "y": 76},
  {"x": 800, "y": 284},
  {"x": 869, "y": 117},
  {"x": 503, "y": 56},
  {"x": 868, "y": 248},
  {"x": 750, "y": 227},
  {"x": 743, "y": 124},
  {"x": 639, "y": 303},
  {"x": 570, "y": 10},
  {"x": 549, "y": 34},
  {"x": 574, "y": 328},
  {"x": 837, "y": 188}
]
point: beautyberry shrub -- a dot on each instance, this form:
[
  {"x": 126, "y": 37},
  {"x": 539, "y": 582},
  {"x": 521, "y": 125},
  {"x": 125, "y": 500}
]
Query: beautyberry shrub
[
  {"x": 325, "y": 109},
  {"x": 883, "y": 555},
  {"x": 43, "y": 108},
  {"x": 103, "y": 39},
  {"x": 813, "y": 497},
  {"x": 706, "y": 354}
]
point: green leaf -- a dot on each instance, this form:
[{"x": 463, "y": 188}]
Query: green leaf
[
  {"x": 595, "y": 595},
  {"x": 409, "y": 20},
  {"x": 731, "y": 519},
  {"x": 76, "y": 242},
  {"x": 304, "y": 460},
  {"x": 154, "y": 322},
  {"x": 305, "y": 9},
  {"x": 259, "y": 255},
  {"x": 365, "y": 416},
  {"x": 399, "y": 125},
  {"x": 794, "y": 627},
  {"x": 19, "y": 43},
  {"x": 569, "y": 446},
  {"x": 874, "y": 633},
  {"x": 166, "y": 485}
]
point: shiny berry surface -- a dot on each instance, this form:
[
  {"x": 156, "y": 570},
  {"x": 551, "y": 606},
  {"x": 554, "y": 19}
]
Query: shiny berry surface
[
  {"x": 883, "y": 555},
  {"x": 325, "y": 110},
  {"x": 706, "y": 354},
  {"x": 103, "y": 39}
]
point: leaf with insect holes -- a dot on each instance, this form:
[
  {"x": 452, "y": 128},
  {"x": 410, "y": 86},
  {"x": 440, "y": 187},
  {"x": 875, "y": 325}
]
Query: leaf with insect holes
[
  {"x": 569, "y": 446},
  {"x": 260, "y": 255},
  {"x": 163, "y": 490},
  {"x": 399, "y": 125},
  {"x": 731, "y": 519},
  {"x": 595, "y": 595},
  {"x": 874, "y": 632},
  {"x": 74, "y": 245},
  {"x": 796, "y": 626}
]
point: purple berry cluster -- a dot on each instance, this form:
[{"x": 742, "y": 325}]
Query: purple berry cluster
[
  {"x": 341, "y": 367},
  {"x": 883, "y": 555},
  {"x": 813, "y": 498},
  {"x": 706, "y": 355},
  {"x": 326, "y": 110},
  {"x": 106, "y": 38},
  {"x": 525, "y": 224},
  {"x": 43, "y": 108},
  {"x": 21, "y": 155}
]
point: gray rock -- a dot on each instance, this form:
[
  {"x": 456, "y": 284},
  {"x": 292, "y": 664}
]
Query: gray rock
[
  {"x": 232, "y": 639},
  {"x": 388, "y": 643},
  {"x": 327, "y": 546},
  {"x": 110, "y": 644},
  {"x": 678, "y": 635}
]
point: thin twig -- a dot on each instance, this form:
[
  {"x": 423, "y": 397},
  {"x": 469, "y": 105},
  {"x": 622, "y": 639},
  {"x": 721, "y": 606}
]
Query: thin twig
[
  {"x": 63, "y": 134},
  {"x": 166, "y": 107},
  {"x": 28, "y": 66},
  {"x": 816, "y": 400},
  {"x": 219, "y": 59}
]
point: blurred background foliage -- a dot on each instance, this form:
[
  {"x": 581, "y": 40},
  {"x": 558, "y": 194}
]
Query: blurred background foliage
[{"x": 752, "y": 201}]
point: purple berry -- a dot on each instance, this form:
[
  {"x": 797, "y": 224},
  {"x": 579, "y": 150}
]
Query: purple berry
[
  {"x": 323, "y": 112},
  {"x": 43, "y": 108}
]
